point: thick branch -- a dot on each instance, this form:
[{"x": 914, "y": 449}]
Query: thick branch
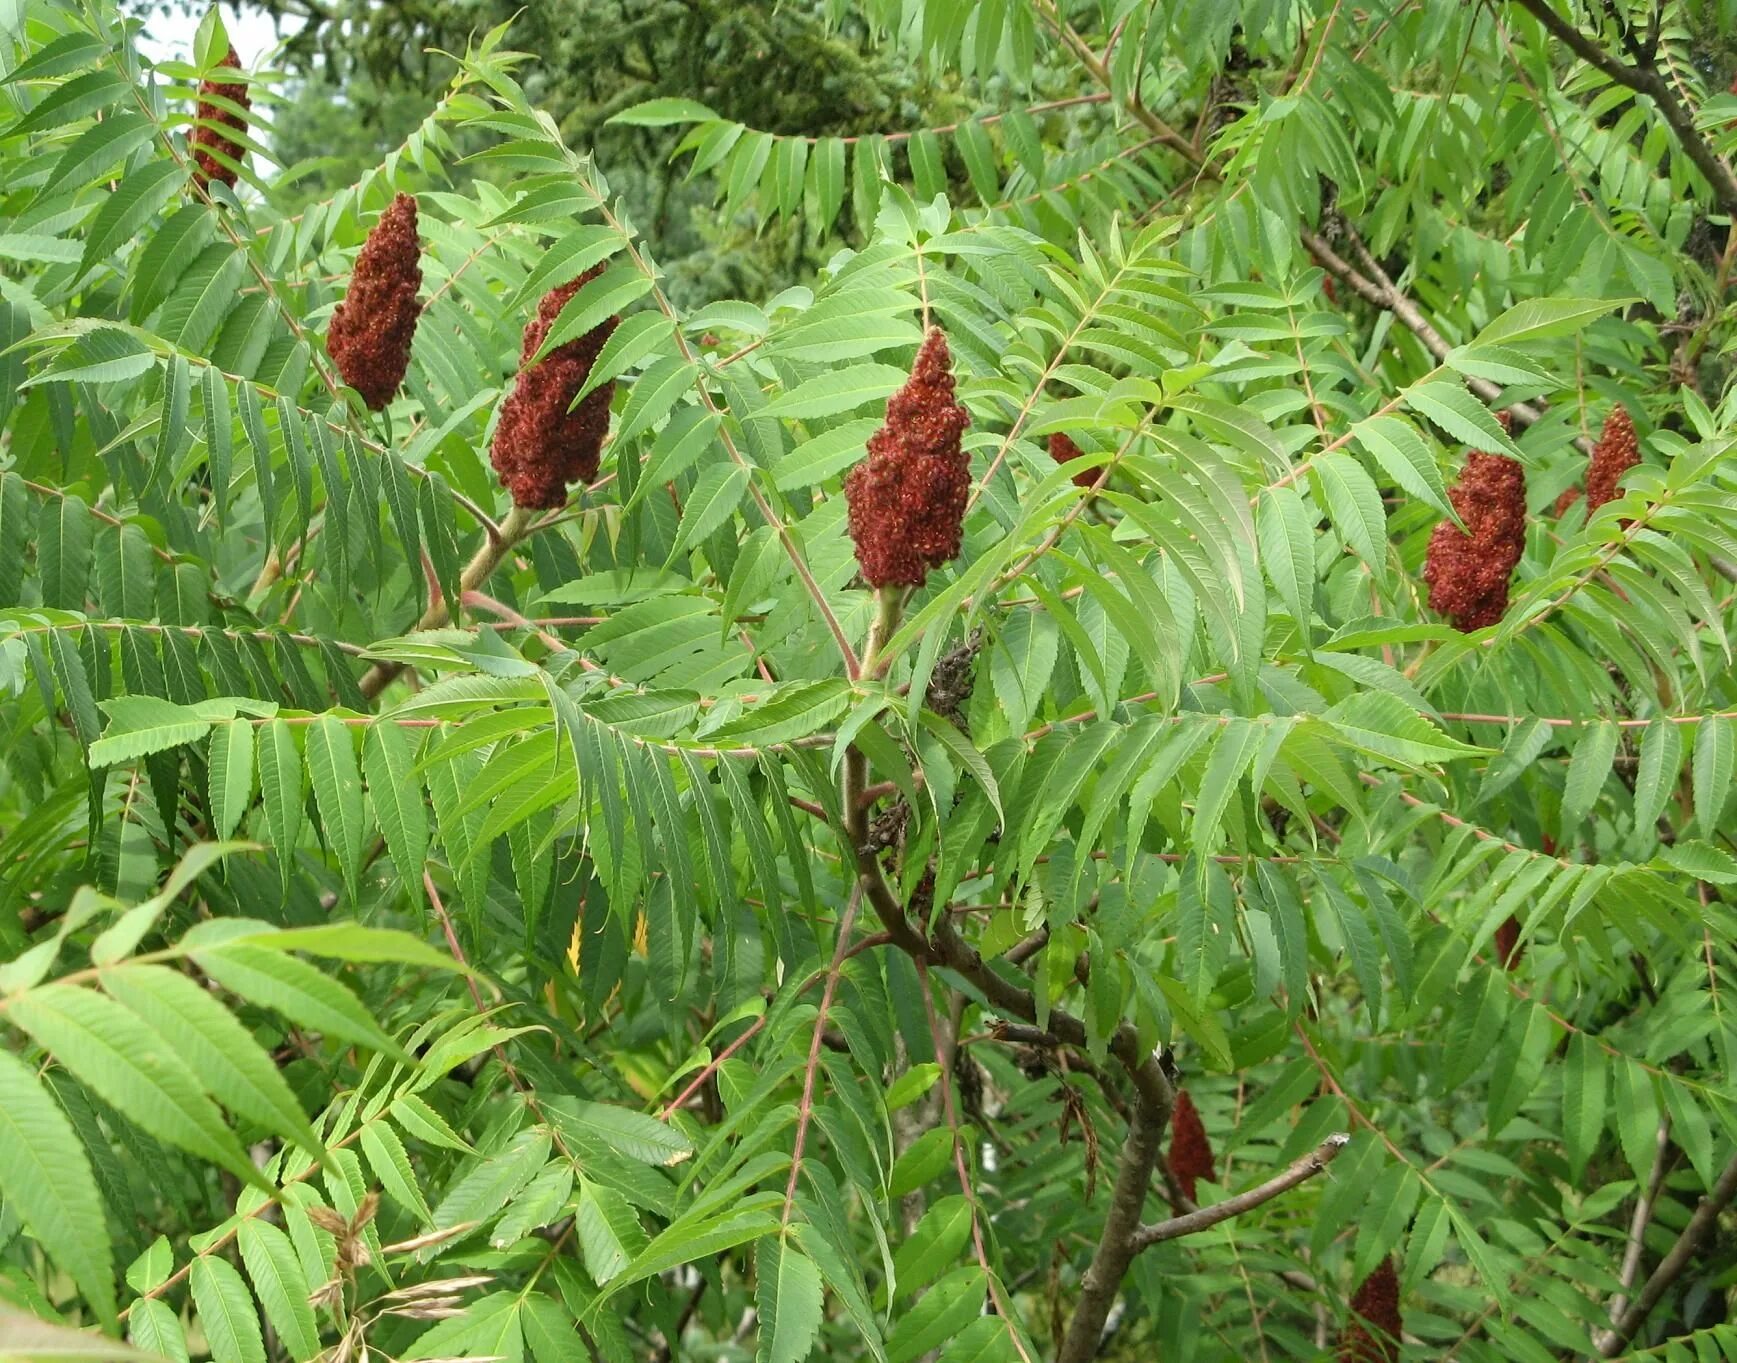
[
  {"x": 1202, "y": 1217},
  {"x": 948, "y": 949},
  {"x": 1671, "y": 1267},
  {"x": 1647, "y": 81},
  {"x": 1116, "y": 1245},
  {"x": 495, "y": 548}
]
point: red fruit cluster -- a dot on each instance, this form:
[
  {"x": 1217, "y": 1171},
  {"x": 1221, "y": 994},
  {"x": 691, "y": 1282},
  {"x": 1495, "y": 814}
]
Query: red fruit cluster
[
  {"x": 1190, "y": 1154},
  {"x": 1508, "y": 948},
  {"x": 540, "y": 445},
  {"x": 1615, "y": 454},
  {"x": 1062, "y": 449},
  {"x": 370, "y": 333},
  {"x": 212, "y": 119},
  {"x": 1568, "y": 498},
  {"x": 906, "y": 501},
  {"x": 1468, "y": 570},
  {"x": 1375, "y": 1337}
]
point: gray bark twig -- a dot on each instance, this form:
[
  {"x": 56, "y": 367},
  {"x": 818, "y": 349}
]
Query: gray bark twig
[
  {"x": 1671, "y": 1267},
  {"x": 1201, "y": 1217},
  {"x": 1637, "y": 1230}
]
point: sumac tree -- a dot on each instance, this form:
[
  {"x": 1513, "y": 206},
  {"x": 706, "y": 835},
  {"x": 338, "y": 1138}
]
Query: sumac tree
[{"x": 1137, "y": 765}]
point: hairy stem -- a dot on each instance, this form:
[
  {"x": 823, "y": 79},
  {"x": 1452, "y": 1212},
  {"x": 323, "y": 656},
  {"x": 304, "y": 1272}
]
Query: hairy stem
[{"x": 495, "y": 548}]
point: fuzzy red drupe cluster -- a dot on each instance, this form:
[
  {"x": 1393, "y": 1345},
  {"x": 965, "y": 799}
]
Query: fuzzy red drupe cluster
[
  {"x": 1468, "y": 570},
  {"x": 212, "y": 118},
  {"x": 540, "y": 445},
  {"x": 1062, "y": 449},
  {"x": 1508, "y": 948},
  {"x": 1372, "y": 1335},
  {"x": 1190, "y": 1154},
  {"x": 906, "y": 501},
  {"x": 1615, "y": 454},
  {"x": 371, "y": 331}
]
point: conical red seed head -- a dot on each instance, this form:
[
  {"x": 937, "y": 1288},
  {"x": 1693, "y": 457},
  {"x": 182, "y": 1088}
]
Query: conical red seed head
[
  {"x": 1508, "y": 948},
  {"x": 906, "y": 501},
  {"x": 541, "y": 446},
  {"x": 1190, "y": 1155},
  {"x": 372, "y": 329},
  {"x": 1373, "y": 1333},
  {"x": 1468, "y": 570},
  {"x": 1062, "y": 449},
  {"x": 208, "y": 138},
  {"x": 1617, "y": 452}
]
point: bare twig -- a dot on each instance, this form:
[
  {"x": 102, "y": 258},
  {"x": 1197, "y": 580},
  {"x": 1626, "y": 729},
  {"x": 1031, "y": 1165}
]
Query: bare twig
[
  {"x": 1671, "y": 1267},
  {"x": 1202, "y": 1217},
  {"x": 1373, "y": 284},
  {"x": 1637, "y": 1230}
]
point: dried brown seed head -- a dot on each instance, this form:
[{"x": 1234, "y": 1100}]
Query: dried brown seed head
[
  {"x": 1615, "y": 454},
  {"x": 1508, "y": 948},
  {"x": 1062, "y": 449},
  {"x": 1373, "y": 1333}
]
